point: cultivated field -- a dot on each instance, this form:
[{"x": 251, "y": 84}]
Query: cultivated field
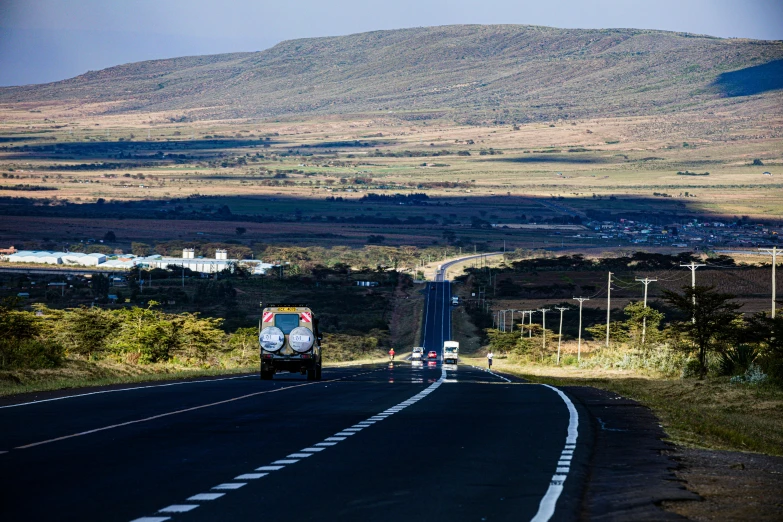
[{"x": 307, "y": 183}]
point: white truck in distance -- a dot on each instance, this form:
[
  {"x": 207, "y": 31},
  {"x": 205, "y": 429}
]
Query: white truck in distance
[
  {"x": 450, "y": 352},
  {"x": 417, "y": 354}
]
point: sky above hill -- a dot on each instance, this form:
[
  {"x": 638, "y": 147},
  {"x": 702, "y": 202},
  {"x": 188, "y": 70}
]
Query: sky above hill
[{"x": 49, "y": 40}]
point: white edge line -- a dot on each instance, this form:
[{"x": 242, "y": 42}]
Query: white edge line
[
  {"x": 548, "y": 503},
  {"x": 122, "y": 390}
]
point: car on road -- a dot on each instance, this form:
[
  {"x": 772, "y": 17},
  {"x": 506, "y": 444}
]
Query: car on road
[
  {"x": 417, "y": 354},
  {"x": 432, "y": 354},
  {"x": 289, "y": 341}
]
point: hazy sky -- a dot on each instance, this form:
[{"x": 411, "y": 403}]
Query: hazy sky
[{"x": 48, "y": 40}]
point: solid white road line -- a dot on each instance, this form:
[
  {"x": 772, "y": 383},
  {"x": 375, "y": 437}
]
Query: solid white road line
[
  {"x": 161, "y": 415},
  {"x": 548, "y": 503},
  {"x": 151, "y": 519},
  {"x": 124, "y": 389}
]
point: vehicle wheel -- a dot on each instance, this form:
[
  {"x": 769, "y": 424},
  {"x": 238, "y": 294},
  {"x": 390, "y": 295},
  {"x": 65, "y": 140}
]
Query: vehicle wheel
[
  {"x": 318, "y": 373},
  {"x": 266, "y": 376},
  {"x": 311, "y": 374}
]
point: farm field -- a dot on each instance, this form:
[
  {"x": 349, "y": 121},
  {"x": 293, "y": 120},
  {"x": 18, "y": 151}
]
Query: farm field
[{"x": 311, "y": 182}]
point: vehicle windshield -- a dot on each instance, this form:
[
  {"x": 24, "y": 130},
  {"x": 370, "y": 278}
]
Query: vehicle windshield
[
  {"x": 286, "y": 322},
  {"x": 450, "y": 349}
]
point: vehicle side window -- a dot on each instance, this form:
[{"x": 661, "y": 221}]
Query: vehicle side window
[{"x": 286, "y": 322}]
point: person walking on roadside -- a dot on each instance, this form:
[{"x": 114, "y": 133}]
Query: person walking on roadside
[
  {"x": 489, "y": 359},
  {"x": 391, "y": 354}
]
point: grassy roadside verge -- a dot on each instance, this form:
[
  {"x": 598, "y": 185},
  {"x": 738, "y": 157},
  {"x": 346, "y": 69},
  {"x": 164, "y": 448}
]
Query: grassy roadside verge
[
  {"x": 709, "y": 414},
  {"x": 83, "y": 374}
]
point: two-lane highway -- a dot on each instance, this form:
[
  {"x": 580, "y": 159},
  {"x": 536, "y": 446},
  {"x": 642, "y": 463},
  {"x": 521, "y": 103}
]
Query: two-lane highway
[
  {"x": 397, "y": 441},
  {"x": 436, "y": 326}
]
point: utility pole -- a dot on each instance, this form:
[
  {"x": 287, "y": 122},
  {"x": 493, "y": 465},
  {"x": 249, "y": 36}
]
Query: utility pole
[
  {"x": 543, "y": 330},
  {"x": 579, "y": 348},
  {"x": 646, "y": 282},
  {"x": 522, "y": 324},
  {"x": 530, "y": 325},
  {"x": 608, "y": 307},
  {"x": 693, "y": 266},
  {"x": 774, "y": 253},
  {"x": 560, "y": 333}
]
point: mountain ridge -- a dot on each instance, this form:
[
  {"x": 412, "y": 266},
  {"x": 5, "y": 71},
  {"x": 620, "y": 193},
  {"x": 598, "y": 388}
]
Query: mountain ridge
[{"x": 508, "y": 73}]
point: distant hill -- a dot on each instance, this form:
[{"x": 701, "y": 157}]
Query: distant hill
[{"x": 508, "y": 73}]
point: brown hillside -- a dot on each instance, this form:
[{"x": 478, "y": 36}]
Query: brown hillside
[{"x": 505, "y": 73}]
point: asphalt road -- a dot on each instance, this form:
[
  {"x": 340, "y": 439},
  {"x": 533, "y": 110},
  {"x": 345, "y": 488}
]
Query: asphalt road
[
  {"x": 397, "y": 441},
  {"x": 436, "y": 326}
]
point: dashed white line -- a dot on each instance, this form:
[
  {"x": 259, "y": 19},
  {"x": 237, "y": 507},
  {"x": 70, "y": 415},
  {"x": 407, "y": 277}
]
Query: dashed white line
[
  {"x": 249, "y": 476},
  {"x": 292, "y": 458},
  {"x": 206, "y": 496},
  {"x": 270, "y": 468},
  {"x": 179, "y": 508},
  {"x": 230, "y": 485}
]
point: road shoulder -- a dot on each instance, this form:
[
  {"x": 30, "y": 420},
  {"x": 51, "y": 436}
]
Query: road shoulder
[{"x": 631, "y": 470}]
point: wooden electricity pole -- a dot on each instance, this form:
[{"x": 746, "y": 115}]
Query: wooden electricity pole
[
  {"x": 774, "y": 253},
  {"x": 646, "y": 282},
  {"x": 579, "y": 348},
  {"x": 608, "y": 307},
  {"x": 560, "y": 332},
  {"x": 693, "y": 266}
]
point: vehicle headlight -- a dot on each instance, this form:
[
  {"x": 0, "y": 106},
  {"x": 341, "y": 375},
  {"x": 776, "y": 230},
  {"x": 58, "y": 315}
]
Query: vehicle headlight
[
  {"x": 301, "y": 339},
  {"x": 271, "y": 338}
]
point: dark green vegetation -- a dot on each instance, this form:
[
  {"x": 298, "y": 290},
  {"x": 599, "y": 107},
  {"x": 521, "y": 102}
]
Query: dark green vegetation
[
  {"x": 210, "y": 324},
  {"x": 662, "y": 337},
  {"x": 471, "y": 73}
]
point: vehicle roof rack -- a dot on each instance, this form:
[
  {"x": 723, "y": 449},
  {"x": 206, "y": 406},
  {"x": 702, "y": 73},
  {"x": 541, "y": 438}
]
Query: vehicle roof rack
[{"x": 270, "y": 305}]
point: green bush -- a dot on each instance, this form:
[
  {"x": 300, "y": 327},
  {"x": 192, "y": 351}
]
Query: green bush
[
  {"x": 30, "y": 354},
  {"x": 737, "y": 360}
]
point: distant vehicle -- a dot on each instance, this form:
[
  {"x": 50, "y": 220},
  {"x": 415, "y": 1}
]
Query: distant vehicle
[
  {"x": 432, "y": 354},
  {"x": 450, "y": 352},
  {"x": 289, "y": 340},
  {"x": 417, "y": 354},
  {"x": 455, "y": 301}
]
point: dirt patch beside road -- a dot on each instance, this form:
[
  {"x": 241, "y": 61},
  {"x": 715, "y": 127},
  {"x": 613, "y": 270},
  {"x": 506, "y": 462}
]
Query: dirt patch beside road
[{"x": 733, "y": 485}]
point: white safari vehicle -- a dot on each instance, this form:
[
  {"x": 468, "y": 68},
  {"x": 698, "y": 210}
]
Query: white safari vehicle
[
  {"x": 450, "y": 352},
  {"x": 289, "y": 340},
  {"x": 417, "y": 354}
]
